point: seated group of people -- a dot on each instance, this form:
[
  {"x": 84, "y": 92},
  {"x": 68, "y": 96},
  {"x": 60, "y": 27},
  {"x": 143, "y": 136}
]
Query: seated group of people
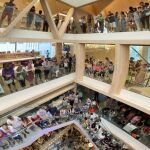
[
  {"x": 123, "y": 114},
  {"x": 32, "y": 71},
  {"x": 16, "y": 129},
  {"x": 101, "y": 69}
]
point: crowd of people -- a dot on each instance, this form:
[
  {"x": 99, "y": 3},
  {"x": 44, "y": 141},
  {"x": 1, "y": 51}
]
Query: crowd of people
[
  {"x": 102, "y": 70},
  {"x": 62, "y": 140},
  {"x": 138, "y": 71},
  {"x": 125, "y": 116},
  {"x": 135, "y": 19},
  {"x": 16, "y": 129},
  {"x": 32, "y": 71}
]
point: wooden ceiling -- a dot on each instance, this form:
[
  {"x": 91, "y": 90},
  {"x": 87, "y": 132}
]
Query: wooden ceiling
[{"x": 93, "y": 7}]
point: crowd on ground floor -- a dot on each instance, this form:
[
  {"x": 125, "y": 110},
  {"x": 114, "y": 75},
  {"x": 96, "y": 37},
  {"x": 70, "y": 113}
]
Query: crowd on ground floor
[{"x": 17, "y": 129}]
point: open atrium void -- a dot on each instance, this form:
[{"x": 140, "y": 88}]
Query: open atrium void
[{"x": 74, "y": 75}]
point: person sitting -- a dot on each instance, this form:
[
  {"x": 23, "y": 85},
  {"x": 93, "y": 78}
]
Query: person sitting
[
  {"x": 27, "y": 123},
  {"x": 15, "y": 135},
  {"x": 4, "y": 144},
  {"x": 42, "y": 113},
  {"x": 52, "y": 109},
  {"x": 16, "y": 124}
]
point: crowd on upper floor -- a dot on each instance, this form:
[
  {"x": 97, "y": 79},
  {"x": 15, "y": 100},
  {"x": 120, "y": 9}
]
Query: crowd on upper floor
[
  {"x": 17, "y": 129},
  {"x": 135, "y": 19},
  {"x": 32, "y": 71},
  {"x": 100, "y": 69}
]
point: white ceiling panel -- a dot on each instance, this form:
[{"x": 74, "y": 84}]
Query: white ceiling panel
[{"x": 78, "y": 3}]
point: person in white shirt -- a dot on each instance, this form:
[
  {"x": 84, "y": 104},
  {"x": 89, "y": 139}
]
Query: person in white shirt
[{"x": 15, "y": 122}]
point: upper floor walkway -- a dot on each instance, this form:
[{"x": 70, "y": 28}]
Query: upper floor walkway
[{"x": 127, "y": 38}]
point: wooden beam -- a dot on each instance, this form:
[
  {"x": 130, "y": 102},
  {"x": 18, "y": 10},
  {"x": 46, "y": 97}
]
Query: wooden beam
[
  {"x": 66, "y": 22},
  {"x": 121, "y": 68},
  {"x": 18, "y": 18},
  {"x": 48, "y": 15},
  {"x": 58, "y": 52},
  {"x": 80, "y": 61}
]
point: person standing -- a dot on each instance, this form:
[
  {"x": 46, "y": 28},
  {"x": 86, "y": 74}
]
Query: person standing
[
  {"x": 38, "y": 20},
  {"x": 111, "y": 19},
  {"x": 30, "y": 17},
  {"x": 38, "y": 72},
  {"x": 100, "y": 21},
  {"x": 137, "y": 18},
  {"x": 117, "y": 20},
  {"x": 8, "y": 11},
  {"x": 83, "y": 24},
  {"x": 21, "y": 75},
  {"x": 29, "y": 73},
  {"x": 123, "y": 22},
  {"x": 45, "y": 24},
  {"x": 46, "y": 67},
  {"x": 9, "y": 76}
]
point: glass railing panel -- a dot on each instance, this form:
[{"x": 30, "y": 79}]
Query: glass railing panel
[
  {"x": 26, "y": 77},
  {"x": 138, "y": 79},
  {"x": 99, "y": 63}
]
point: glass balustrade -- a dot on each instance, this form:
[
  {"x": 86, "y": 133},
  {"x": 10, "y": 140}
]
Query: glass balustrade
[{"x": 138, "y": 79}]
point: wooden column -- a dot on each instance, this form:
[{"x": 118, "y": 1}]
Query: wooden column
[
  {"x": 121, "y": 68},
  {"x": 66, "y": 22},
  {"x": 48, "y": 14},
  {"x": 58, "y": 51},
  {"x": 80, "y": 61}
]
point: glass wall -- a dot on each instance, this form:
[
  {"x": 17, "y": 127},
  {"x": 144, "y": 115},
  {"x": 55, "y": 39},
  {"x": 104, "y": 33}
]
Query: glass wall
[
  {"x": 99, "y": 63},
  {"x": 43, "y": 48},
  {"x": 138, "y": 79}
]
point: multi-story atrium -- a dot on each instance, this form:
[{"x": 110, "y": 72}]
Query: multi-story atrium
[{"x": 74, "y": 75}]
